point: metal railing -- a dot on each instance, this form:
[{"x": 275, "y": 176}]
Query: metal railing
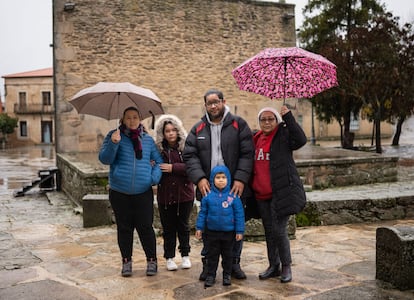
[{"x": 33, "y": 108}]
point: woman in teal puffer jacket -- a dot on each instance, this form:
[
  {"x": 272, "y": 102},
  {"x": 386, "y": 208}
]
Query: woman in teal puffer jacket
[{"x": 134, "y": 168}]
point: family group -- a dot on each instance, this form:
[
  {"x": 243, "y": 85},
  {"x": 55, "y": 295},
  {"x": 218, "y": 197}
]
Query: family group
[{"x": 229, "y": 165}]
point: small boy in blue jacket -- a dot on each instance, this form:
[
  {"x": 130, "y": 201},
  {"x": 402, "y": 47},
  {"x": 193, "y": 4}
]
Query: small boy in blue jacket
[{"x": 220, "y": 223}]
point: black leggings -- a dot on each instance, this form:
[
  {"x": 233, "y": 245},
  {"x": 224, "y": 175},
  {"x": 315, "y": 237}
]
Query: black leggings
[{"x": 134, "y": 212}]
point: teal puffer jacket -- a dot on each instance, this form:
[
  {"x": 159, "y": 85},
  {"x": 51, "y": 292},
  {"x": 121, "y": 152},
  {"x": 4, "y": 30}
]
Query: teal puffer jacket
[{"x": 128, "y": 174}]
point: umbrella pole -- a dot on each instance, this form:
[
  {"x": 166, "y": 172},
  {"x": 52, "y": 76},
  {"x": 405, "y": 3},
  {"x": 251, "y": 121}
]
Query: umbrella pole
[
  {"x": 117, "y": 110},
  {"x": 284, "y": 80}
]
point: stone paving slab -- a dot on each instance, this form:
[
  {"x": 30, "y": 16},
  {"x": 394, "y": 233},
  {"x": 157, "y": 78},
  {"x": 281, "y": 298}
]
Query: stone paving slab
[
  {"x": 63, "y": 260},
  {"x": 45, "y": 253}
]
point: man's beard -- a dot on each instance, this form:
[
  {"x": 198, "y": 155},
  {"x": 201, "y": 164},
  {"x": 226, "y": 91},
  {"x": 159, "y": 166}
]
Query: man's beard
[{"x": 216, "y": 117}]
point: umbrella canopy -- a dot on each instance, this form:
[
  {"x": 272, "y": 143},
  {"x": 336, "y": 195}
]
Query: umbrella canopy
[
  {"x": 108, "y": 100},
  {"x": 286, "y": 73}
]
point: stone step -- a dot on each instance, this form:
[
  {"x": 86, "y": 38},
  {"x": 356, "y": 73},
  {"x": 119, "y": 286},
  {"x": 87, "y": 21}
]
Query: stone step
[{"x": 358, "y": 204}]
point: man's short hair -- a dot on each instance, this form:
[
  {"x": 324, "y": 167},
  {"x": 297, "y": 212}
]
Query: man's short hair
[{"x": 215, "y": 92}]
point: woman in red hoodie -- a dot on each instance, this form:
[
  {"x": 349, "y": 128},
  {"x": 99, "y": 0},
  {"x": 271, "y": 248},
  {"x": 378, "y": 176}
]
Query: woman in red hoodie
[{"x": 277, "y": 186}]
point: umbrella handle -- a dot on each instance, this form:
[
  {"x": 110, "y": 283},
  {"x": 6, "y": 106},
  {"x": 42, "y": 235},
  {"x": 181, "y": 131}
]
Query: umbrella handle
[{"x": 153, "y": 120}]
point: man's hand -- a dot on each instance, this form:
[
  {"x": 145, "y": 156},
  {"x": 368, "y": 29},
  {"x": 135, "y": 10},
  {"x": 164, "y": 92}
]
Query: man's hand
[
  {"x": 239, "y": 237},
  {"x": 198, "y": 234},
  {"x": 204, "y": 187},
  {"x": 237, "y": 188}
]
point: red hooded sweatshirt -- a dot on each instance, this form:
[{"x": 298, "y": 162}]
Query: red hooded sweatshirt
[{"x": 261, "y": 171}]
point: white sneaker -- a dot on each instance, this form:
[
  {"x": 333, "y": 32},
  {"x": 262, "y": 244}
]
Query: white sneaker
[
  {"x": 171, "y": 265},
  {"x": 186, "y": 263}
]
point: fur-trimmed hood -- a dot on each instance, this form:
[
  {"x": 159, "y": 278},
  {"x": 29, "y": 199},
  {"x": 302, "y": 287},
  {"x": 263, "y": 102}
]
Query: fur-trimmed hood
[{"x": 159, "y": 125}]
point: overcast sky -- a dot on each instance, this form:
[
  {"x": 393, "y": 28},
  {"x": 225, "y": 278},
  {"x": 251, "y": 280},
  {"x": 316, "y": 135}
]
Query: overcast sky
[{"x": 26, "y": 32}]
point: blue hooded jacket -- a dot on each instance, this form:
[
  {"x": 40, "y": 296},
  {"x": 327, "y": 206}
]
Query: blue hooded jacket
[
  {"x": 128, "y": 174},
  {"x": 220, "y": 210}
]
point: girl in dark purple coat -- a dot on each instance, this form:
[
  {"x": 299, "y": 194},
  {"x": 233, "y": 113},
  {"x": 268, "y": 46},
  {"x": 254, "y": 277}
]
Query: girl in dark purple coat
[{"x": 175, "y": 194}]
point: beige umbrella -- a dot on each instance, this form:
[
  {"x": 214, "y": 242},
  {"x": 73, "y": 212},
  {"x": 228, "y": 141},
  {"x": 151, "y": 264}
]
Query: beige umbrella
[{"x": 108, "y": 100}]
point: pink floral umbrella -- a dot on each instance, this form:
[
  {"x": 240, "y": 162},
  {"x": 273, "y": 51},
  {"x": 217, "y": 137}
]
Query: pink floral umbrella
[{"x": 280, "y": 73}]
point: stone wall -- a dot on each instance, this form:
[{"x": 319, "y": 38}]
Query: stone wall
[
  {"x": 177, "y": 48},
  {"x": 80, "y": 177},
  {"x": 356, "y": 210},
  {"x": 328, "y": 173},
  {"x": 395, "y": 256}
]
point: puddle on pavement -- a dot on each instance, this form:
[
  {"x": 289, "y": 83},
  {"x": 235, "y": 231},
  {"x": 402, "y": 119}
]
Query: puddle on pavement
[{"x": 19, "y": 166}]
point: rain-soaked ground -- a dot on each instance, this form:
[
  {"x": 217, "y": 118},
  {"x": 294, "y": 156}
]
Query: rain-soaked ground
[
  {"x": 20, "y": 165},
  {"x": 45, "y": 253}
]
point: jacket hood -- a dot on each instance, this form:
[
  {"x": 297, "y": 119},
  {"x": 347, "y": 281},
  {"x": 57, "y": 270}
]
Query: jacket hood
[
  {"x": 181, "y": 132},
  {"x": 226, "y": 111},
  {"x": 220, "y": 169}
]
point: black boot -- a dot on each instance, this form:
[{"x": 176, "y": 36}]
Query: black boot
[
  {"x": 209, "y": 281},
  {"x": 272, "y": 271},
  {"x": 236, "y": 271},
  {"x": 286, "y": 275},
  {"x": 226, "y": 279},
  {"x": 203, "y": 274}
]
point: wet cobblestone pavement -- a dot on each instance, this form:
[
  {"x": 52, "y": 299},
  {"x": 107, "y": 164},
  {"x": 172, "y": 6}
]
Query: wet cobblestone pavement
[{"x": 45, "y": 253}]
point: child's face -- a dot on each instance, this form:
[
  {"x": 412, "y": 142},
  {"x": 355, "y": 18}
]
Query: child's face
[
  {"x": 220, "y": 181},
  {"x": 170, "y": 134}
]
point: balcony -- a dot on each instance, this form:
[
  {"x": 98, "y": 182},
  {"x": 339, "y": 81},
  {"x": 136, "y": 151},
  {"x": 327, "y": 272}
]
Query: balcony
[{"x": 34, "y": 109}]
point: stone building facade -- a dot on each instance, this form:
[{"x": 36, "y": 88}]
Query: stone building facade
[
  {"x": 29, "y": 97},
  {"x": 177, "y": 48}
]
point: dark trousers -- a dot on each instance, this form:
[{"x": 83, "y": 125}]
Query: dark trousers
[
  {"x": 236, "y": 251},
  {"x": 277, "y": 239},
  {"x": 175, "y": 223},
  {"x": 219, "y": 243},
  {"x": 134, "y": 212}
]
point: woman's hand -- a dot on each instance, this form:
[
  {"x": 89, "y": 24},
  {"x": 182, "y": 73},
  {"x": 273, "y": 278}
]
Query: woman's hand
[
  {"x": 166, "y": 168},
  {"x": 116, "y": 137},
  {"x": 284, "y": 110},
  {"x": 239, "y": 237}
]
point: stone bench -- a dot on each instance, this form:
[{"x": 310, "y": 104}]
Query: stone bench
[
  {"x": 395, "y": 256},
  {"x": 97, "y": 211}
]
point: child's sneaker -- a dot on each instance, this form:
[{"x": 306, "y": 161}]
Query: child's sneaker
[
  {"x": 171, "y": 265},
  {"x": 186, "y": 263}
]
